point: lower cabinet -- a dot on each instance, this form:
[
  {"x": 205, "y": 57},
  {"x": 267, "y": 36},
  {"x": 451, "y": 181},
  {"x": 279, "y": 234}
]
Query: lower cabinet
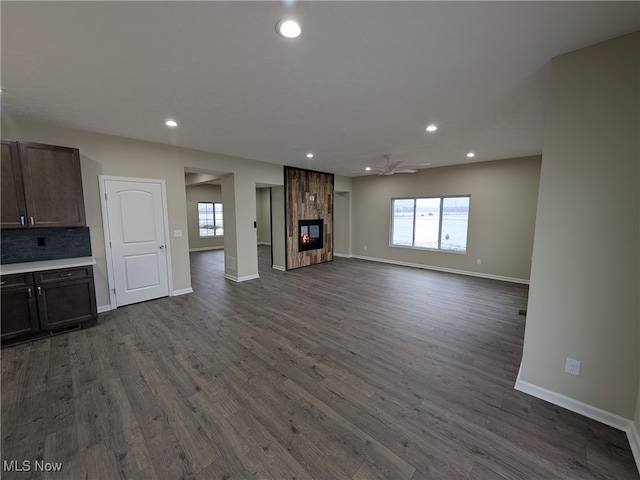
[
  {"x": 47, "y": 302},
  {"x": 19, "y": 316}
]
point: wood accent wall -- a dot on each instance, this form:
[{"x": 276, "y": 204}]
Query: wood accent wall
[{"x": 299, "y": 186}]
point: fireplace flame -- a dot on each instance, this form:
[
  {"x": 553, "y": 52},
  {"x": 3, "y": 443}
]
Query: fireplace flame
[{"x": 304, "y": 238}]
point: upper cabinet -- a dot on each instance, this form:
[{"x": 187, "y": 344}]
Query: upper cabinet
[
  {"x": 41, "y": 186},
  {"x": 12, "y": 201}
]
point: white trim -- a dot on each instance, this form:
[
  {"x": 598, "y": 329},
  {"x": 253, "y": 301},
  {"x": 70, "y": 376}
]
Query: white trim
[
  {"x": 202, "y": 249},
  {"x": 279, "y": 268},
  {"x": 634, "y": 442},
  {"x": 104, "y": 308},
  {"x": 613, "y": 420},
  {"x": 343, "y": 255},
  {"x": 241, "y": 279},
  {"x": 107, "y": 236},
  {"x": 595, "y": 413},
  {"x": 264, "y": 243},
  {"x": 490, "y": 276},
  {"x": 182, "y": 291}
]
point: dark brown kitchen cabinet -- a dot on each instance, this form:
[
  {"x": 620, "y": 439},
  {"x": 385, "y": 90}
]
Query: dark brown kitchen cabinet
[
  {"x": 65, "y": 297},
  {"x": 12, "y": 201},
  {"x": 19, "y": 309},
  {"x": 41, "y": 186},
  {"x": 47, "y": 302}
]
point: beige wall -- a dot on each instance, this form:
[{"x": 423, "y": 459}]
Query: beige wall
[
  {"x": 342, "y": 213},
  {"x": 583, "y": 300},
  {"x": 501, "y": 220},
  {"x": 263, "y": 214},
  {"x": 116, "y": 156},
  {"x": 342, "y": 223},
  {"x": 195, "y": 194}
]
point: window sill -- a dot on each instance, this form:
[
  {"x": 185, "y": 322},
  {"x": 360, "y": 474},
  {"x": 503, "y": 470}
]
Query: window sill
[{"x": 425, "y": 249}]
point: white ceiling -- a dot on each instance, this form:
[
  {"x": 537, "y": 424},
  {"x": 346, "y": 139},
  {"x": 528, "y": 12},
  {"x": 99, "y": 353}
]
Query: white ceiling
[{"x": 363, "y": 80}]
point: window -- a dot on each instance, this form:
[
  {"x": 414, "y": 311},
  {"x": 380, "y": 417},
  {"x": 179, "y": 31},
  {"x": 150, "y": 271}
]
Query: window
[
  {"x": 437, "y": 223},
  {"x": 210, "y": 219}
]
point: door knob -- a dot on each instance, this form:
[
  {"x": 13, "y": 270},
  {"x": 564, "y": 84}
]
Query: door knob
[{"x": 161, "y": 247}]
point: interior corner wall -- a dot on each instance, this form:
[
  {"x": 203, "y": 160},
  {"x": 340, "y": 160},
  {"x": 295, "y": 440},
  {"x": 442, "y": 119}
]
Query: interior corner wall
[
  {"x": 196, "y": 194},
  {"x": 341, "y": 223},
  {"x": 308, "y": 196},
  {"x": 583, "y": 300}
]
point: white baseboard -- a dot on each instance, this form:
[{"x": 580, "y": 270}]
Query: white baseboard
[
  {"x": 634, "y": 442},
  {"x": 343, "y": 255},
  {"x": 490, "y": 276},
  {"x": 279, "y": 267},
  {"x": 241, "y": 279},
  {"x": 104, "y": 308},
  {"x": 613, "y": 420},
  {"x": 204, "y": 249},
  {"x": 182, "y": 291}
]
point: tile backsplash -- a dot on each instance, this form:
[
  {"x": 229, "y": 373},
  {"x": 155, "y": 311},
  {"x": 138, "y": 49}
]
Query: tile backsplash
[{"x": 37, "y": 244}]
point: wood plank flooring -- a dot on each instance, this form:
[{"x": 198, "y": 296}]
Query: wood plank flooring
[{"x": 343, "y": 370}]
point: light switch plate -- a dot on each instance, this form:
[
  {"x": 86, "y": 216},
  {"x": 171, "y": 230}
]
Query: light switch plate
[{"x": 177, "y": 233}]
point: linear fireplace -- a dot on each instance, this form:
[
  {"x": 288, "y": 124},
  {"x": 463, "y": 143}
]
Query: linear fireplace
[{"x": 310, "y": 235}]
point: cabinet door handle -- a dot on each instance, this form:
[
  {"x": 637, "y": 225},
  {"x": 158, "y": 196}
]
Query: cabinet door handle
[
  {"x": 40, "y": 291},
  {"x": 2, "y": 283},
  {"x": 22, "y": 220},
  {"x": 65, "y": 274},
  {"x": 30, "y": 292},
  {"x": 32, "y": 222}
]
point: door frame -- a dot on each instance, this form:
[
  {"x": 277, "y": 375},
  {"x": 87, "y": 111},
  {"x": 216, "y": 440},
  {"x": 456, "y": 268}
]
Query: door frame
[{"x": 102, "y": 179}]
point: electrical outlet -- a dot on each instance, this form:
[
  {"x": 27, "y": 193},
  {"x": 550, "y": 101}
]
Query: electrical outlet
[
  {"x": 479, "y": 262},
  {"x": 572, "y": 366},
  {"x": 365, "y": 247}
]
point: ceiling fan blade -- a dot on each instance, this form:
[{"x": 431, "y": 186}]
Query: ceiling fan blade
[
  {"x": 393, "y": 164},
  {"x": 418, "y": 166},
  {"x": 404, "y": 170}
]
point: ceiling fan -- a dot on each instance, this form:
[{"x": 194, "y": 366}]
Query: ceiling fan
[{"x": 394, "y": 167}]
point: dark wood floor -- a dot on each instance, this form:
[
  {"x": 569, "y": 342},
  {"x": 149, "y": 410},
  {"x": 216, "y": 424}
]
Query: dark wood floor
[{"x": 345, "y": 370}]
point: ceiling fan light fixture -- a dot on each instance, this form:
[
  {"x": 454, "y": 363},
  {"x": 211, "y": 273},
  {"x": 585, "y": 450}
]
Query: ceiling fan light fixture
[{"x": 288, "y": 28}]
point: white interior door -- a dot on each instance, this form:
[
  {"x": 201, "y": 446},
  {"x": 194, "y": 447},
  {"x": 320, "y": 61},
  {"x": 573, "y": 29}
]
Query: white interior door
[{"x": 136, "y": 217}]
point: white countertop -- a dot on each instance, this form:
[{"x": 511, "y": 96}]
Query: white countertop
[{"x": 26, "y": 267}]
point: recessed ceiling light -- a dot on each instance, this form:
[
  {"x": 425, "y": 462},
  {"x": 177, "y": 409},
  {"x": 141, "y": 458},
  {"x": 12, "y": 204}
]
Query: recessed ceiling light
[
  {"x": 368, "y": 169},
  {"x": 288, "y": 28},
  {"x": 171, "y": 123},
  {"x": 471, "y": 154},
  {"x": 309, "y": 155},
  {"x": 432, "y": 128}
]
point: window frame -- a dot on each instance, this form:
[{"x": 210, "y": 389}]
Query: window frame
[
  {"x": 215, "y": 225},
  {"x": 440, "y": 220}
]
